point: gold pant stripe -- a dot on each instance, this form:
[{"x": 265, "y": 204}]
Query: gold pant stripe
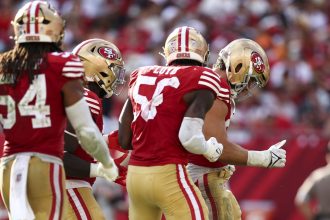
[
  {"x": 221, "y": 202},
  {"x": 45, "y": 187},
  {"x": 191, "y": 197},
  {"x": 213, "y": 206},
  {"x": 78, "y": 204},
  {"x": 57, "y": 191},
  {"x": 82, "y": 205},
  {"x": 166, "y": 189}
]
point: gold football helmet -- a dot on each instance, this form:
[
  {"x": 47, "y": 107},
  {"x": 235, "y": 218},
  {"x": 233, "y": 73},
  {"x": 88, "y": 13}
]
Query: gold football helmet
[
  {"x": 38, "y": 21},
  {"x": 103, "y": 64},
  {"x": 186, "y": 43},
  {"x": 246, "y": 65}
]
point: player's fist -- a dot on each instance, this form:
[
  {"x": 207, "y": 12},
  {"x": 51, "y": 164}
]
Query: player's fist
[
  {"x": 277, "y": 155},
  {"x": 109, "y": 172},
  {"x": 213, "y": 150}
]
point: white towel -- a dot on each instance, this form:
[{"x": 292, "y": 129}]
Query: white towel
[{"x": 20, "y": 208}]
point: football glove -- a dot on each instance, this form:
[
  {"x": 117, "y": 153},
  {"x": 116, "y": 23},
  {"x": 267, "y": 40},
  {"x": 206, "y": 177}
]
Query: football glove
[
  {"x": 275, "y": 156},
  {"x": 110, "y": 173},
  {"x": 278, "y": 155},
  {"x": 213, "y": 150}
]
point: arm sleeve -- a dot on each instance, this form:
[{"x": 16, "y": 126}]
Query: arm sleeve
[
  {"x": 87, "y": 132},
  {"x": 191, "y": 135}
]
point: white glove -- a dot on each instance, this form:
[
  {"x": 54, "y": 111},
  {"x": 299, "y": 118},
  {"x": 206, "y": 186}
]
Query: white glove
[
  {"x": 278, "y": 155},
  {"x": 275, "y": 156},
  {"x": 110, "y": 173},
  {"x": 213, "y": 149}
]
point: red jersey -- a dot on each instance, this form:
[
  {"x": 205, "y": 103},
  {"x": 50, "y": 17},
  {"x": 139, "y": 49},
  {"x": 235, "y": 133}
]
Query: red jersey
[
  {"x": 32, "y": 115},
  {"x": 223, "y": 96},
  {"x": 95, "y": 106},
  {"x": 156, "y": 94}
]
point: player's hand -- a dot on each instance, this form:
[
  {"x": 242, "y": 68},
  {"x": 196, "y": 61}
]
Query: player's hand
[
  {"x": 109, "y": 172},
  {"x": 277, "y": 155},
  {"x": 214, "y": 150}
]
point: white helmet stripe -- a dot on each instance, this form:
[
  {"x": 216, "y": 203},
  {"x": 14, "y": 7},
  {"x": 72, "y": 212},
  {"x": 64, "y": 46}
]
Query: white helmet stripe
[
  {"x": 187, "y": 39},
  {"x": 183, "y": 41},
  {"x": 33, "y": 14},
  {"x": 179, "y": 40},
  {"x": 76, "y": 50},
  {"x": 37, "y": 15},
  {"x": 28, "y": 18}
]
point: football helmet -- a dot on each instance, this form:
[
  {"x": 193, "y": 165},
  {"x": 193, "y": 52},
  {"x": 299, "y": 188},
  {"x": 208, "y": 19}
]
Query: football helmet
[
  {"x": 103, "y": 64},
  {"x": 246, "y": 65},
  {"x": 186, "y": 43},
  {"x": 38, "y": 21}
]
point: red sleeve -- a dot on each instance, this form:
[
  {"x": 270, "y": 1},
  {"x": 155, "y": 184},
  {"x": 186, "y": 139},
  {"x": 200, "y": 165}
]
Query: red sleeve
[
  {"x": 133, "y": 77},
  {"x": 210, "y": 80},
  {"x": 224, "y": 92},
  {"x": 68, "y": 66},
  {"x": 113, "y": 142}
]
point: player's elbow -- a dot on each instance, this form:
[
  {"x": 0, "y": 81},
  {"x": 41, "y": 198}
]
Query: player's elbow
[
  {"x": 87, "y": 136},
  {"x": 191, "y": 136}
]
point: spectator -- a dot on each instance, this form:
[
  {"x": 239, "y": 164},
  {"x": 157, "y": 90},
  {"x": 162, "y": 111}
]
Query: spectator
[{"x": 316, "y": 188}]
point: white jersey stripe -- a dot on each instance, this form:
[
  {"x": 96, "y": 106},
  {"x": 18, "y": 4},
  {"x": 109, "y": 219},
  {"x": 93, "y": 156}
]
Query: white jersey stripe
[
  {"x": 210, "y": 86},
  {"x": 216, "y": 77},
  {"x": 224, "y": 95},
  {"x": 210, "y": 80},
  {"x": 212, "y": 74},
  {"x": 73, "y": 63},
  {"x": 91, "y": 100},
  {"x": 186, "y": 187},
  {"x": 72, "y": 75},
  {"x": 95, "y": 112},
  {"x": 58, "y": 196},
  {"x": 78, "y": 205},
  {"x": 93, "y": 106},
  {"x": 74, "y": 69},
  {"x": 183, "y": 38}
]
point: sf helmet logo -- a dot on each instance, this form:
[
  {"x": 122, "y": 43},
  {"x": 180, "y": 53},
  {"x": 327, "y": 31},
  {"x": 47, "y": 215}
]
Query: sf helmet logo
[
  {"x": 108, "y": 53},
  {"x": 257, "y": 62}
]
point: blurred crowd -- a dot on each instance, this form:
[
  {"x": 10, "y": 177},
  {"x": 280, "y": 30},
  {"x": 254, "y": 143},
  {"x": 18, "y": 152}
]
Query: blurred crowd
[{"x": 294, "y": 33}]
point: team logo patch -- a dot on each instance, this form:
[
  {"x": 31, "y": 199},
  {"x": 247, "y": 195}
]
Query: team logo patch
[
  {"x": 257, "y": 62},
  {"x": 183, "y": 55},
  {"x": 108, "y": 53},
  {"x": 32, "y": 38}
]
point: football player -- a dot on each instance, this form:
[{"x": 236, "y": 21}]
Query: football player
[
  {"x": 104, "y": 76},
  {"x": 40, "y": 86},
  {"x": 162, "y": 121},
  {"x": 242, "y": 66}
]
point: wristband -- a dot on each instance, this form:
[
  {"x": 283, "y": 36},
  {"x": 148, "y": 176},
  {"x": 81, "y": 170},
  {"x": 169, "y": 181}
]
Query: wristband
[{"x": 258, "y": 158}]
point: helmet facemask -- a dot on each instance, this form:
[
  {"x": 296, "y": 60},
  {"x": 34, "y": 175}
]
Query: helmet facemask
[{"x": 106, "y": 82}]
